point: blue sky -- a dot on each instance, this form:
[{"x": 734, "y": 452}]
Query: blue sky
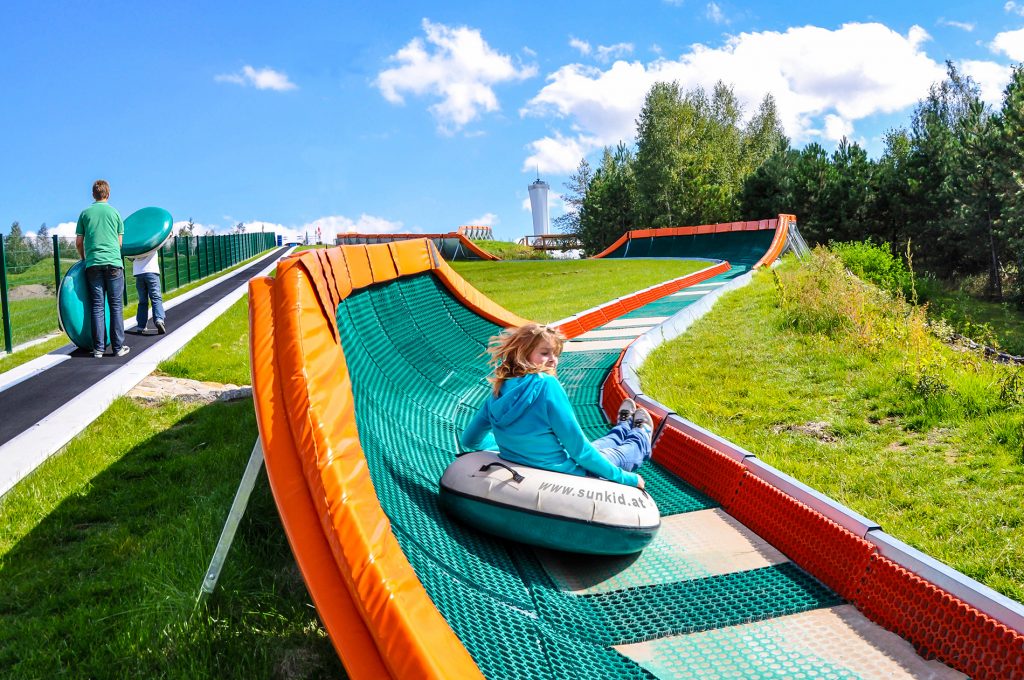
[{"x": 391, "y": 116}]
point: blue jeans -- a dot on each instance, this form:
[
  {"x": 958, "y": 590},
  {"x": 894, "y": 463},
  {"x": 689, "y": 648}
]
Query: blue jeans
[
  {"x": 109, "y": 280},
  {"x": 625, "y": 447},
  {"x": 148, "y": 288}
]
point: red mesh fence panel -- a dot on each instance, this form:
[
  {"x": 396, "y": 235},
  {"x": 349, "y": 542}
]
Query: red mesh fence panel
[
  {"x": 705, "y": 469},
  {"x": 834, "y": 555},
  {"x": 938, "y": 624}
]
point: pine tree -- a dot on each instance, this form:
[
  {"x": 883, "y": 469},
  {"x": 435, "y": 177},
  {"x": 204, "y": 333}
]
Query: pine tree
[
  {"x": 17, "y": 249},
  {"x": 608, "y": 207},
  {"x": 44, "y": 245},
  {"x": 1010, "y": 175},
  {"x": 574, "y": 197},
  {"x": 978, "y": 206}
]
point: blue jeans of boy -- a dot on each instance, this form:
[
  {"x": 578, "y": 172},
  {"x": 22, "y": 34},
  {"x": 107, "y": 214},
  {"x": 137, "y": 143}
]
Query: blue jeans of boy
[
  {"x": 625, "y": 446},
  {"x": 106, "y": 280},
  {"x": 148, "y": 288}
]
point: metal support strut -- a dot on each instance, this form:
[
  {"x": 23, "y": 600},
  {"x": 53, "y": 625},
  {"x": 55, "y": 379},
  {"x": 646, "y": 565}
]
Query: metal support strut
[{"x": 227, "y": 534}]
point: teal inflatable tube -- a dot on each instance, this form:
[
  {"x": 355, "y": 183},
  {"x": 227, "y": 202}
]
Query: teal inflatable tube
[
  {"x": 546, "y": 508},
  {"x": 145, "y": 230},
  {"x": 73, "y": 313}
]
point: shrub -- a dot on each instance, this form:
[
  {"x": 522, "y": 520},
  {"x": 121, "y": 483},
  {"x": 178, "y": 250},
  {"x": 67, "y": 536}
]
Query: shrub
[{"x": 874, "y": 262}]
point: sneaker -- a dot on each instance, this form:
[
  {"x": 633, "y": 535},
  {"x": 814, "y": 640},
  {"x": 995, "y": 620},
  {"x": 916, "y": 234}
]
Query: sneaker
[
  {"x": 626, "y": 410},
  {"x": 96, "y": 354},
  {"x": 642, "y": 418},
  {"x": 160, "y": 327},
  {"x": 124, "y": 350}
]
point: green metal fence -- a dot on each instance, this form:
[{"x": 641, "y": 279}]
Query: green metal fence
[{"x": 31, "y": 270}]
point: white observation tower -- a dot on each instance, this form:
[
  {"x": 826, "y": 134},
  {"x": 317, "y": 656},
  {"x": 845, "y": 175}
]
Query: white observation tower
[{"x": 539, "y": 206}]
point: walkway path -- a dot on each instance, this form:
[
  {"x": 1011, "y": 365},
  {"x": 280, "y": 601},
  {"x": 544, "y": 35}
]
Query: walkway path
[{"x": 49, "y": 400}]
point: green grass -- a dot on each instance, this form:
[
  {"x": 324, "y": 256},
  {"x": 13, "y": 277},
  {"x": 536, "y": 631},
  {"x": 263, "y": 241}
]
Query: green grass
[
  {"x": 40, "y": 272},
  {"x": 943, "y": 472},
  {"x": 999, "y": 324},
  {"x": 507, "y": 250},
  {"x": 219, "y": 353},
  {"x": 554, "y": 289}
]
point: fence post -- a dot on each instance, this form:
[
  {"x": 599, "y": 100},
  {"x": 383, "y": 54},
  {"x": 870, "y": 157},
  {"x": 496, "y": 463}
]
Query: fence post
[
  {"x": 177, "y": 268},
  {"x": 56, "y": 262},
  {"x": 160, "y": 262},
  {"x": 188, "y": 259},
  {"x": 5, "y": 306}
]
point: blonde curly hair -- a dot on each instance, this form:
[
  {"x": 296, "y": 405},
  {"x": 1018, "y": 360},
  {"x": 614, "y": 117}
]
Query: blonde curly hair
[{"x": 510, "y": 351}]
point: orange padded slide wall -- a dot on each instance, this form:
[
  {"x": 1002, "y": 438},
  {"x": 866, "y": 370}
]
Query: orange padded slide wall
[{"x": 379, "y": 618}]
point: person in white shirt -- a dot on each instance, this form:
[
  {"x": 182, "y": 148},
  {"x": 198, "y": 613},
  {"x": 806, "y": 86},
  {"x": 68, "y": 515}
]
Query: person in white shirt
[{"x": 146, "y": 269}]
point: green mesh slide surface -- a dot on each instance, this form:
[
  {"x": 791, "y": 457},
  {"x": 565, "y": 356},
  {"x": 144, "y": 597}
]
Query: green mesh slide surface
[
  {"x": 738, "y": 247},
  {"x": 418, "y": 366}
]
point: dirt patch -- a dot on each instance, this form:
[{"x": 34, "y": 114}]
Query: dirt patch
[
  {"x": 817, "y": 430},
  {"x": 31, "y": 290}
]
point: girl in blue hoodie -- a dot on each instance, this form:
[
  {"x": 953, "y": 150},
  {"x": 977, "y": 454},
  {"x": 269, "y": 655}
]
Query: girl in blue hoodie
[{"x": 528, "y": 418}]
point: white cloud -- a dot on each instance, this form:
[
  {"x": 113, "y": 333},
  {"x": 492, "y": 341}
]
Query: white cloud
[
  {"x": 455, "y": 65},
  {"x": 606, "y": 53},
  {"x": 812, "y": 72},
  {"x": 992, "y": 79},
  {"x": 1014, "y": 8},
  {"x": 714, "y": 13},
  {"x": 837, "y": 127},
  {"x": 197, "y": 228},
  {"x": 485, "y": 220},
  {"x": 559, "y": 154},
  {"x": 64, "y": 229},
  {"x": 261, "y": 79},
  {"x": 581, "y": 45},
  {"x": 1011, "y": 43},
  {"x": 962, "y": 25}
]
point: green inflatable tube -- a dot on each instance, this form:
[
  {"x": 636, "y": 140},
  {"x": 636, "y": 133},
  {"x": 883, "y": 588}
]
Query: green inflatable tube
[
  {"x": 145, "y": 230},
  {"x": 73, "y": 313}
]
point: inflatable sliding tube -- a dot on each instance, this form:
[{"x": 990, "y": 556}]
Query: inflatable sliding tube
[
  {"x": 451, "y": 246},
  {"x": 763, "y": 239},
  {"x": 944, "y": 614}
]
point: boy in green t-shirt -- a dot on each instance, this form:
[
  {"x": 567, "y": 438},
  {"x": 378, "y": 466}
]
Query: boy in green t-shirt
[{"x": 100, "y": 231}]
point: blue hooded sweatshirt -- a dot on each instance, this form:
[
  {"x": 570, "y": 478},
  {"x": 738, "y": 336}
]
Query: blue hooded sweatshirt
[{"x": 533, "y": 424}]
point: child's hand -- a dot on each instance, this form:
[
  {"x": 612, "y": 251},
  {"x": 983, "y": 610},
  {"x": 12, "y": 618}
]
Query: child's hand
[{"x": 640, "y": 482}]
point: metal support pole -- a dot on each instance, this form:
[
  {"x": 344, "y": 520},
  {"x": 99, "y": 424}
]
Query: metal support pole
[
  {"x": 227, "y": 534},
  {"x": 5, "y": 306}
]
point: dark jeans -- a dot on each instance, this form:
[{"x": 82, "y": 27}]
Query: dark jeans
[{"x": 109, "y": 280}]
